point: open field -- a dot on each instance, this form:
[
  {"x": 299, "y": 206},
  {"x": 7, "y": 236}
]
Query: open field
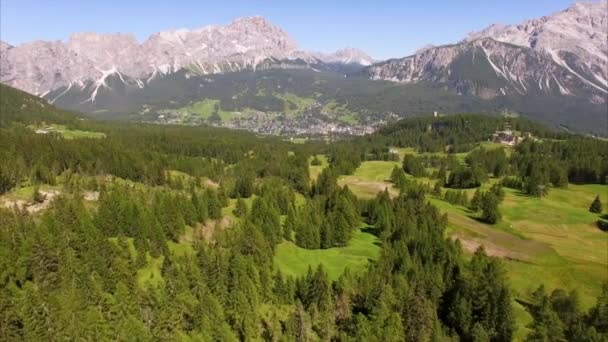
[
  {"x": 205, "y": 109},
  {"x": 294, "y": 261},
  {"x": 552, "y": 240},
  {"x": 315, "y": 170},
  {"x": 370, "y": 178},
  {"x": 69, "y": 133},
  {"x": 294, "y": 104},
  {"x": 150, "y": 275}
]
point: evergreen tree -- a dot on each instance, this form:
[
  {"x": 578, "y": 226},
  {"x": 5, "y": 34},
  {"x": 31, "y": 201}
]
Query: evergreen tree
[
  {"x": 596, "y": 206},
  {"x": 240, "y": 209},
  {"x": 214, "y": 206},
  {"x": 489, "y": 207},
  {"x": 413, "y": 166},
  {"x": 199, "y": 202},
  {"x": 475, "y": 203},
  {"x": 441, "y": 175},
  {"x": 290, "y": 223},
  {"x": 437, "y": 189},
  {"x": 38, "y": 197}
]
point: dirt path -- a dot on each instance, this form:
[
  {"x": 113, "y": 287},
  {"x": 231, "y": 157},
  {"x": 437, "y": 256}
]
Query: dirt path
[
  {"x": 470, "y": 245},
  {"x": 207, "y": 230},
  {"x": 32, "y": 207}
]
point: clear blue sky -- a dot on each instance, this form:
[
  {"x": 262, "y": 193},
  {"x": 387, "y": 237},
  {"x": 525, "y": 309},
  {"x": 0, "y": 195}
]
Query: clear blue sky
[{"x": 382, "y": 28}]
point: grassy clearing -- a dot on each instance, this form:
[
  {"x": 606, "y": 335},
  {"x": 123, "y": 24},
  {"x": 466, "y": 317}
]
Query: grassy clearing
[
  {"x": 562, "y": 221},
  {"x": 315, "y": 170},
  {"x": 294, "y": 104},
  {"x": 552, "y": 240},
  {"x": 150, "y": 275},
  {"x": 294, "y": 261},
  {"x": 341, "y": 112},
  {"x": 67, "y": 133},
  {"x": 26, "y": 192},
  {"x": 370, "y": 178},
  {"x": 183, "y": 248},
  {"x": 350, "y": 119},
  {"x": 205, "y": 109},
  {"x": 130, "y": 246},
  {"x": 229, "y": 210}
]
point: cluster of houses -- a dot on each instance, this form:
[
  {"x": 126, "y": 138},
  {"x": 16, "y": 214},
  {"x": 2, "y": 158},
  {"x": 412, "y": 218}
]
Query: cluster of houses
[{"x": 508, "y": 137}]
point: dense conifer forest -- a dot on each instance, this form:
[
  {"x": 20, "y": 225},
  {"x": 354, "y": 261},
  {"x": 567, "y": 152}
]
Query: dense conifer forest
[{"x": 126, "y": 266}]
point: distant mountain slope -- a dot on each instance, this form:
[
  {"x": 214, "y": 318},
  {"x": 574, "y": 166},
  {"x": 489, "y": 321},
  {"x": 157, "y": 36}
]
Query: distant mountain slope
[
  {"x": 575, "y": 38},
  {"x": 488, "y": 69},
  {"x": 560, "y": 58},
  {"x": 19, "y": 106},
  {"x": 329, "y": 94},
  {"x": 245, "y": 44},
  {"x": 565, "y": 53}
]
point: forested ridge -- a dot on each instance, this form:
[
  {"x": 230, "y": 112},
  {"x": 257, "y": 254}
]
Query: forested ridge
[{"x": 126, "y": 266}]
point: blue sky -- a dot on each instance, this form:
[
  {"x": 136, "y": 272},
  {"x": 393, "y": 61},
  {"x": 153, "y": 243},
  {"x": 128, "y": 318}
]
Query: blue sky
[{"x": 383, "y": 29}]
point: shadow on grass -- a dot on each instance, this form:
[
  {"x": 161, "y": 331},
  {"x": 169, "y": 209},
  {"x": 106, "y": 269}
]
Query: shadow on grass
[
  {"x": 531, "y": 308},
  {"x": 480, "y": 220},
  {"x": 525, "y": 195},
  {"x": 602, "y": 224},
  {"x": 371, "y": 230}
]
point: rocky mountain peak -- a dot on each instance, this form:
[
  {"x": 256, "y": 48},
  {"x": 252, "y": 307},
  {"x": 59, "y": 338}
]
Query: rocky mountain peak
[
  {"x": 563, "y": 54},
  {"x": 575, "y": 38},
  {"x": 4, "y": 45},
  {"x": 40, "y": 67}
]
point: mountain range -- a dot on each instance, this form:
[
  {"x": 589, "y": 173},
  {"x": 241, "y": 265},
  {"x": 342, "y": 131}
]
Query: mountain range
[
  {"x": 565, "y": 53},
  {"x": 244, "y": 44},
  {"x": 553, "y": 69}
]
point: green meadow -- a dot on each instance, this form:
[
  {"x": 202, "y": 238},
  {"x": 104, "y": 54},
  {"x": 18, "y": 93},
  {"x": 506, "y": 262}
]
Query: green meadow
[
  {"x": 315, "y": 170},
  {"x": 295, "y": 261},
  {"x": 67, "y": 133},
  {"x": 370, "y": 178},
  {"x": 551, "y": 240},
  {"x": 294, "y": 104}
]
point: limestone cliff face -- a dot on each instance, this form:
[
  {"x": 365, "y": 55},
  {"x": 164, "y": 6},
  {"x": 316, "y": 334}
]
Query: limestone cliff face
[
  {"x": 565, "y": 53},
  {"x": 246, "y": 43}
]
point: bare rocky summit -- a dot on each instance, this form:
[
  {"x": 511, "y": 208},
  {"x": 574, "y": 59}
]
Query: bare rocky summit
[
  {"x": 246, "y": 43},
  {"x": 562, "y": 54}
]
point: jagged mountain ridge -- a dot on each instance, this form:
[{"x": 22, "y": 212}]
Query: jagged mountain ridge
[
  {"x": 245, "y": 44},
  {"x": 579, "y": 32},
  {"x": 485, "y": 68},
  {"x": 563, "y": 54}
]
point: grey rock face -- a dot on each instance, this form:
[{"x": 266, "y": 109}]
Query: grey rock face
[
  {"x": 562, "y": 54},
  {"x": 575, "y": 38},
  {"x": 246, "y": 43}
]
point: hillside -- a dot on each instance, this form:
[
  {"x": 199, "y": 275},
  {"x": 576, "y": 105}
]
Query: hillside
[{"x": 19, "y": 106}]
